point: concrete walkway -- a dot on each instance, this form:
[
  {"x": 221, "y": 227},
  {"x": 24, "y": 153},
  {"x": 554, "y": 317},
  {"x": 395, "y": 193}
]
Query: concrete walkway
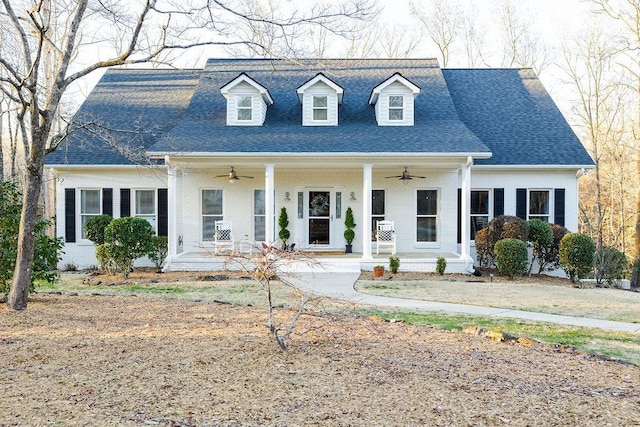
[{"x": 340, "y": 285}]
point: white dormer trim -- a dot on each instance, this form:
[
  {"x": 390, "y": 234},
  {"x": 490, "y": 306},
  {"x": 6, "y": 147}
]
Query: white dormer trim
[
  {"x": 393, "y": 100},
  {"x": 247, "y": 101},
  {"x": 320, "y": 98}
]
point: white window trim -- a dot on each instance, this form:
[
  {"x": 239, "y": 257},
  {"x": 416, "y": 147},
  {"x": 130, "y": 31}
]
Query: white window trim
[
  {"x": 79, "y": 228},
  {"x": 550, "y": 214},
  {"x": 134, "y": 205},
  {"x": 428, "y": 245}
]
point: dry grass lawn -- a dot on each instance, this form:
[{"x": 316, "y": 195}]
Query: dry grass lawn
[{"x": 111, "y": 360}]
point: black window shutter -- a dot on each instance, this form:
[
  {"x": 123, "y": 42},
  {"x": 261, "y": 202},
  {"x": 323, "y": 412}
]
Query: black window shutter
[
  {"x": 70, "y": 215},
  {"x": 125, "y": 202},
  {"x": 459, "y": 215},
  {"x": 521, "y": 203},
  {"x": 558, "y": 211},
  {"x": 107, "y": 201},
  {"x": 498, "y": 201},
  {"x": 163, "y": 212}
]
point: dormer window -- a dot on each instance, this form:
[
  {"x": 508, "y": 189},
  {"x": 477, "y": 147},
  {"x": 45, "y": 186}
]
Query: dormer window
[
  {"x": 320, "y": 108},
  {"x": 396, "y": 107},
  {"x": 320, "y": 98},
  {"x": 247, "y": 101},
  {"x": 245, "y": 107},
  {"x": 393, "y": 100}
]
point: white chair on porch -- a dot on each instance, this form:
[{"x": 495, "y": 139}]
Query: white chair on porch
[
  {"x": 223, "y": 237},
  {"x": 385, "y": 236}
]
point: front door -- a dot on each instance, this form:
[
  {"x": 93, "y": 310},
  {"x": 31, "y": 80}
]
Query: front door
[{"x": 320, "y": 218}]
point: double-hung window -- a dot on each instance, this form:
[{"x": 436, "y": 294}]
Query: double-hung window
[
  {"x": 320, "y": 108},
  {"x": 245, "y": 108},
  {"x": 539, "y": 205},
  {"x": 396, "y": 107},
  {"x": 427, "y": 216},
  {"x": 211, "y": 212},
  {"x": 479, "y": 211},
  {"x": 90, "y": 205},
  {"x": 377, "y": 210},
  {"x": 145, "y": 206}
]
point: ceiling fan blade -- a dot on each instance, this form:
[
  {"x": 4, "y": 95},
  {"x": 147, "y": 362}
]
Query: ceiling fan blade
[
  {"x": 244, "y": 176},
  {"x": 394, "y": 176}
]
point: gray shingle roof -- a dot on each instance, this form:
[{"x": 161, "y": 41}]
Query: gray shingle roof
[{"x": 503, "y": 111}]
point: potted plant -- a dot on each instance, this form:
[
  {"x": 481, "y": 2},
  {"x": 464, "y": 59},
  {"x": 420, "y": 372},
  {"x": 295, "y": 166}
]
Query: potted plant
[
  {"x": 283, "y": 223},
  {"x": 349, "y": 234},
  {"x": 378, "y": 270}
]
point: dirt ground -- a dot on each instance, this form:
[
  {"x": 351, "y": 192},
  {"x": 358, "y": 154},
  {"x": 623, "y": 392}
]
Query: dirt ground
[{"x": 109, "y": 360}]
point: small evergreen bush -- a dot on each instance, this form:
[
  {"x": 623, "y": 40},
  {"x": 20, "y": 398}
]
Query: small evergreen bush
[
  {"x": 549, "y": 258},
  {"x": 105, "y": 262},
  {"x": 576, "y": 255},
  {"x": 500, "y": 227},
  {"x": 441, "y": 265},
  {"x": 540, "y": 236},
  {"x": 159, "y": 250},
  {"x": 394, "y": 264},
  {"x": 609, "y": 265},
  {"x": 512, "y": 257},
  {"x": 283, "y": 223},
  {"x": 127, "y": 239}
]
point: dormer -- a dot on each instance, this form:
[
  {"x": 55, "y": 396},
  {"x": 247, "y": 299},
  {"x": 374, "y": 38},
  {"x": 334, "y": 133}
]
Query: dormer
[
  {"x": 393, "y": 101},
  {"x": 320, "y": 98},
  {"x": 247, "y": 101}
]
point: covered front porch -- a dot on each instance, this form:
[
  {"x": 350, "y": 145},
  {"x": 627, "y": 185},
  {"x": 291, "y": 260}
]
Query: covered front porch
[{"x": 426, "y": 208}]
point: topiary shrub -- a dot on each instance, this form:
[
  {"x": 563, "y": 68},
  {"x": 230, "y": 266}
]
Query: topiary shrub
[
  {"x": 549, "y": 258},
  {"x": 511, "y": 256},
  {"x": 127, "y": 239},
  {"x": 609, "y": 265},
  {"x": 94, "y": 228},
  {"x": 540, "y": 235},
  {"x": 283, "y": 223},
  {"x": 441, "y": 265},
  {"x": 576, "y": 255},
  {"x": 159, "y": 250}
]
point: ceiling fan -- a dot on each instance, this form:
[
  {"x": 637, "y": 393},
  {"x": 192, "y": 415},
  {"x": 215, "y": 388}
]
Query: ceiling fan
[
  {"x": 406, "y": 176},
  {"x": 233, "y": 176}
]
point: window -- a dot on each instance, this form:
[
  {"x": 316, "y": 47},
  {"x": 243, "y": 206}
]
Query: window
[
  {"x": 539, "y": 205},
  {"x": 90, "y": 205},
  {"x": 146, "y": 206},
  {"x": 396, "y": 107},
  {"x": 258, "y": 216},
  {"x": 479, "y": 211},
  {"x": 211, "y": 212},
  {"x": 245, "y": 107},
  {"x": 320, "y": 108},
  {"x": 427, "y": 216},
  {"x": 377, "y": 210}
]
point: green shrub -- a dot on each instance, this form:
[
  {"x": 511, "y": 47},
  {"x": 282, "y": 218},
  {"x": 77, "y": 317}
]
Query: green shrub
[
  {"x": 94, "y": 228},
  {"x": 283, "y": 223},
  {"x": 105, "y": 262},
  {"x": 609, "y": 265},
  {"x": 127, "y": 239},
  {"x": 47, "y": 249},
  {"x": 441, "y": 265},
  {"x": 349, "y": 224},
  {"x": 549, "y": 258},
  {"x": 159, "y": 250},
  {"x": 394, "y": 264},
  {"x": 512, "y": 257},
  {"x": 500, "y": 227},
  {"x": 540, "y": 235},
  {"x": 576, "y": 255}
]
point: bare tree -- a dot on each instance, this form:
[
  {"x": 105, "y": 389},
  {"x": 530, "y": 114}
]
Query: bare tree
[
  {"x": 442, "y": 22},
  {"x": 59, "y": 35}
]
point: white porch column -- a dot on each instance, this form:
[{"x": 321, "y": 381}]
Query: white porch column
[
  {"x": 464, "y": 214},
  {"x": 366, "y": 212},
  {"x": 269, "y": 208},
  {"x": 172, "y": 229}
]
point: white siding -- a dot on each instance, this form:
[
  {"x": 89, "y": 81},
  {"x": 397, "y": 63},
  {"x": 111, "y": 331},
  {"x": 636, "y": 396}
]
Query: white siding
[
  {"x": 319, "y": 89},
  {"x": 259, "y": 112},
  {"x": 382, "y": 106}
]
